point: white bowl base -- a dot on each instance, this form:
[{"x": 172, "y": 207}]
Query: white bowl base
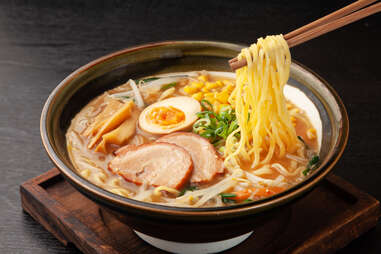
[{"x": 193, "y": 248}]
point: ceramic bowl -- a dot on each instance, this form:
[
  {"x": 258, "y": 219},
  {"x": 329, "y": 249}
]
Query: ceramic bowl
[{"x": 164, "y": 226}]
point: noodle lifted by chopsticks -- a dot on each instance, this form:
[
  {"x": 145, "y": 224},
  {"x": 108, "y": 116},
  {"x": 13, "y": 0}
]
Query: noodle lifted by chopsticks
[{"x": 264, "y": 123}]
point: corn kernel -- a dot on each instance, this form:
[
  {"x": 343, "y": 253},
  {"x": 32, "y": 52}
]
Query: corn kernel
[
  {"x": 209, "y": 97},
  {"x": 228, "y": 89},
  {"x": 219, "y": 83},
  {"x": 223, "y": 97},
  {"x": 311, "y": 133},
  {"x": 187, "y": 89},
  {"x": 204, "y": 89},
  {"x": 288, "y": 105},
  {"x": 197, "y": 85},
  {"x": 190, "y": 90},
  {"x": 227, "y": 82},
  {"x": 203, "y": 78},
  {"x": 198, "y": 96},
  {"x": 211, "y": 85}
]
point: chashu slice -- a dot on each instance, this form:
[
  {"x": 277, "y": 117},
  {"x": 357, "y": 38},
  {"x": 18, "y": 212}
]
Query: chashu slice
[
  {"x": 158, "y": 164},
  {"x": 207, "y": 164}
]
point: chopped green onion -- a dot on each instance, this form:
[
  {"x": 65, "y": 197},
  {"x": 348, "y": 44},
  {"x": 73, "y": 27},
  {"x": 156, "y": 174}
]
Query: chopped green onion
[
  {"x": 215, "y": 127},
  {"x": 225, "y": 197},
  {"x": 206, "y": 114},
  {"x": 247, "y": 200},
  {"x": 167, "y": 86},
  {"x": 206, "y": 105},
  {"x": 227, "y": 201},
  {"x": 233, "y": 126},
  {"x": 311, "y": 164},
  {"x": 189, "y": 188},
  {"x": 228, "y": 195},
  {"x": 218, "y": 142},
  {"x": 314, "y": 160}
]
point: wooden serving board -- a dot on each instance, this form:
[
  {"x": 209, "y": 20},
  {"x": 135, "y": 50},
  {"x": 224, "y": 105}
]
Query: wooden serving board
[{"x": 323, "y": 221}]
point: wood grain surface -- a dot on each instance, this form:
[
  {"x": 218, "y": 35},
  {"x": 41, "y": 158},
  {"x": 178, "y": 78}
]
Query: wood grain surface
[
  {"x": 72, "y": 218},
  {"x": 41, "y": 42}
]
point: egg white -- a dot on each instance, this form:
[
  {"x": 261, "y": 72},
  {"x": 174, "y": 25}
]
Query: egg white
[{"x": 187, "y": 105}]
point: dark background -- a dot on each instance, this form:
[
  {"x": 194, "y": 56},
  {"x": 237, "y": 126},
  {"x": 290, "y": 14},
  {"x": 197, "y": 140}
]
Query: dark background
[{"x": 41, "y": 42}]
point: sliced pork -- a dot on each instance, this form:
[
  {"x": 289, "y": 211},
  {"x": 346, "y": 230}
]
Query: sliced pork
[
  {"x": 206, "y": 162},
  {"x": 158, "y": 164}
]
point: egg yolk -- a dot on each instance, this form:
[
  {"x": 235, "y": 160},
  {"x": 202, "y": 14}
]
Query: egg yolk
[{"x": 165, "y": 116}]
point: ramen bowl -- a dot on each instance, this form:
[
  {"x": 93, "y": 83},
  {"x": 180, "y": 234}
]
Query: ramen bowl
[{"x": 186, "y": 229}]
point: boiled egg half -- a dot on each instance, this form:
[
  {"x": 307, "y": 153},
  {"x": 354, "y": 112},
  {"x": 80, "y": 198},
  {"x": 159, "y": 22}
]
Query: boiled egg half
[{"x": 170, "y": 115}]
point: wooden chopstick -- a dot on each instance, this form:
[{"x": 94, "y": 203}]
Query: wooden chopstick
[
  {"x": 325, "y": 28},
  {"x": 323, "y": 25},
  {"x": 330, "y": 17}
]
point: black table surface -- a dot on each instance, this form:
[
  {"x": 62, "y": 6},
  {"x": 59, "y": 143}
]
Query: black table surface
[{"x": 41, "y": 42}]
